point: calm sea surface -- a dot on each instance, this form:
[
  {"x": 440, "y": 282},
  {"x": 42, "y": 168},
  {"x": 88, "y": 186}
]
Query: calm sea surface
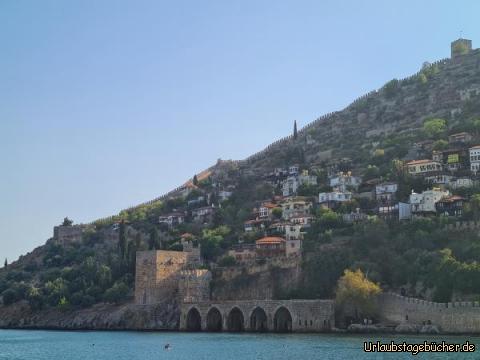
[{"x": 52, "y": 345}]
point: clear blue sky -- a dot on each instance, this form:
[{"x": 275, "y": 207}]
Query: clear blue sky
[{"x": 105, "y": 104}]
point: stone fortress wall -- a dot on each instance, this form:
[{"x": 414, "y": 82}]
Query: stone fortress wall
[
  {"x": 259, "y": 315},
  {"x": 466, "y": 64},
  {"x": 453, "y": 317},
  {"x": 164, "y": 274}
]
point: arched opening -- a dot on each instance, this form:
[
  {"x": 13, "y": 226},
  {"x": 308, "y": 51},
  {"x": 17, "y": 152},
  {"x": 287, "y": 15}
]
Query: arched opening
[
  {"x": 283, "y": 320},
  {"x": 258, "y": 320},
  {"x": 235, "y": 320},
  {"x": 214, "y": 320},
  {"x": 194, "y": 320}
]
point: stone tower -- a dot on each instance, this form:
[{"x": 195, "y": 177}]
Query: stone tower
[{"x": 460, "y": 47}]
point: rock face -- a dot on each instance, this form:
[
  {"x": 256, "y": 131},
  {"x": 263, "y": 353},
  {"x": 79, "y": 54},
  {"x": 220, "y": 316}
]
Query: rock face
[{"x": 99, "y": 317}]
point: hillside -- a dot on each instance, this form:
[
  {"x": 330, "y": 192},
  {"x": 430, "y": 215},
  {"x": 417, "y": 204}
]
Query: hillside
[{"x": 370, "y": 141}]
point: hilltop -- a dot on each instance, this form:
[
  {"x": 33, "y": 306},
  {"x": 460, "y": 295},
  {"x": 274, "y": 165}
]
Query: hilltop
[{"x": 338, "y": 192}]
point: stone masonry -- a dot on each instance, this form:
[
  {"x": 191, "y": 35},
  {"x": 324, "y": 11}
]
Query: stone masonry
[
  {"x": 259, "y": 315},
  {"x": 164, "y": 275}
]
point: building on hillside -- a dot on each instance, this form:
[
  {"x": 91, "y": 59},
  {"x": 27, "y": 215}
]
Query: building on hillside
[
  {"x": 460, "y": 47},
  {"x": 254, "y": 225},
  {"x": 404, "y": 211},
  {"x": 454, "y": 159},
  {"x": 197, "y": 201},
  {"x": 354, "y": 217},
  {"x": 291, "y": 184},
  {"x": 462, "y": 137},
  {"x": 450, "y": 205},
  {"x": 474, "y": 158},
  {"x": 385, "y": 192},
  {"x": 424, "y": 203},
  {"x": 461, "y": 182},
  {"x": 266, "y": 208},
  {"x": 204, "y": 214},
  {"x": 293, "y": 170},
  {"x": 172, "y": 219},
  {"x": 278, "y": 229},
  {"x": 301, "y": 219},
  {"x": 243, "y": 252},
  {"x": 270, "y": 246},
  {"x": 224, "y": 195},
  {"x": 439, "y": 179},
  {"x": 334, "y": 198},
  {"x": 423, "y": 167},
  {"x": 345, "y": 181},
  {"x": 68, "y": 234},
  {"x": 388, "y": 211},
  {"x": 294, "y": 231},
  {"x": 295, "y": 206}
]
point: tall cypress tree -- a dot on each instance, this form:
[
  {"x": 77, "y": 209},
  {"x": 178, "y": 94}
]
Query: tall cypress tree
[
  {"x": 195, "y": 180},
  {"x": 295, "y": 133},
  {"x": 6, "y": 263},
  {"x": 122, "y": 241}
]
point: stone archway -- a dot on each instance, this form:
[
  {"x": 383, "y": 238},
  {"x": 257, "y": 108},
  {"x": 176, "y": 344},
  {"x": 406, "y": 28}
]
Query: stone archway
[
  {"x": 214, "y": 320},
  {"x": 235, "y": 320},
  {"x": 282, "y": 321},
  {"x": 194, "y": 320},
  {"x": 258, "y": 320}
]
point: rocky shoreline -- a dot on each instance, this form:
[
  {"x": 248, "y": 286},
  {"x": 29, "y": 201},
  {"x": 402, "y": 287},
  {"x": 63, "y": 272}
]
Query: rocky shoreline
[{"x": 98, "y": 317}]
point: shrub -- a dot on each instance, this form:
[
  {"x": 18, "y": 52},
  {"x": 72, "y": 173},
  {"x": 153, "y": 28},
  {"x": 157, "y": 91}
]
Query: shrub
[
  {"x": 9, "y": 296},
  {"x": 227, "y": 261},
  {"x": 117, "y": 293}
]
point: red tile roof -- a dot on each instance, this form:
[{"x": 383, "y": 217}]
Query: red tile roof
[
  {"x": 270, "y": 240},
  {"x": 424, "y": 161}
]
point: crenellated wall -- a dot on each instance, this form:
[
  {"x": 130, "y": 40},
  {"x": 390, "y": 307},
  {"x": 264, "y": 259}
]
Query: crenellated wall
[{"x": 453, "y": 317}]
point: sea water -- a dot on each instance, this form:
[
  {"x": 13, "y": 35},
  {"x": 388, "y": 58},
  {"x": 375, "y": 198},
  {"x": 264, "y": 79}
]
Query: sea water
[{"x": 103, "y": 345}]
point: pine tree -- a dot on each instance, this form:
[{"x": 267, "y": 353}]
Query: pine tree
[
  {"x": 122, "y": 241},
  {"x": 295, "y": 133},
  {"x": 195, "y": 180},
  {"x": 6, "y": 263}
]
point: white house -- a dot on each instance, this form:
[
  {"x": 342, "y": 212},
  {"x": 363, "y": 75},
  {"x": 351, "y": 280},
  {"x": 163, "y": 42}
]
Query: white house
[
  {"x": 172, "y": 219},
  {"x": 290, "y": 184},
  {"x": 463, "y": 182},
  {"x": 425, "y": 202},
  {"x": 334, "y": 196},
  {"x": 224, "y": 195},
  {"x": 293, "y": 231},
  {"x": 343, "y": 181},
  {"x": 385, "y": 192},
  {"x": 420, "y": 167},
  {"x": 295, "y": 207},
  {"x": 475, "y": 159}
]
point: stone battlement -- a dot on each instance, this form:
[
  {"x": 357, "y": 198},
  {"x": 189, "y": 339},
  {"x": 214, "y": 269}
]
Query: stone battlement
[{"x": 452, "y": 317}]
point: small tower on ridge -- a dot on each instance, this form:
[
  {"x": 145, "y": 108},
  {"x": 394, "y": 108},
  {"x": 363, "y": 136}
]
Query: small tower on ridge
[{"x": 460, "y": 47}]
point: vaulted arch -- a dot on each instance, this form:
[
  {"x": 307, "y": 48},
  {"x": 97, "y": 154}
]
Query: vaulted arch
[
  {"x": 194, "y": 320},
  {"x": 235, "y": 320},
  {"x": 282, "y": 321},
  {"x": 214, "y": 320},
  {"x": 258, "y": 320}
]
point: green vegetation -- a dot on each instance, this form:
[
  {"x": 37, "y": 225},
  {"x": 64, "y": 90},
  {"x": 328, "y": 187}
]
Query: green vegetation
[
  {"x": 435, "y": 128},
  {"x": 356, "y": 291}
]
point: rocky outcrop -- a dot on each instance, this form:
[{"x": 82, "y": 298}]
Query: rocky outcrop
[{"x": 99, "y": 317}]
